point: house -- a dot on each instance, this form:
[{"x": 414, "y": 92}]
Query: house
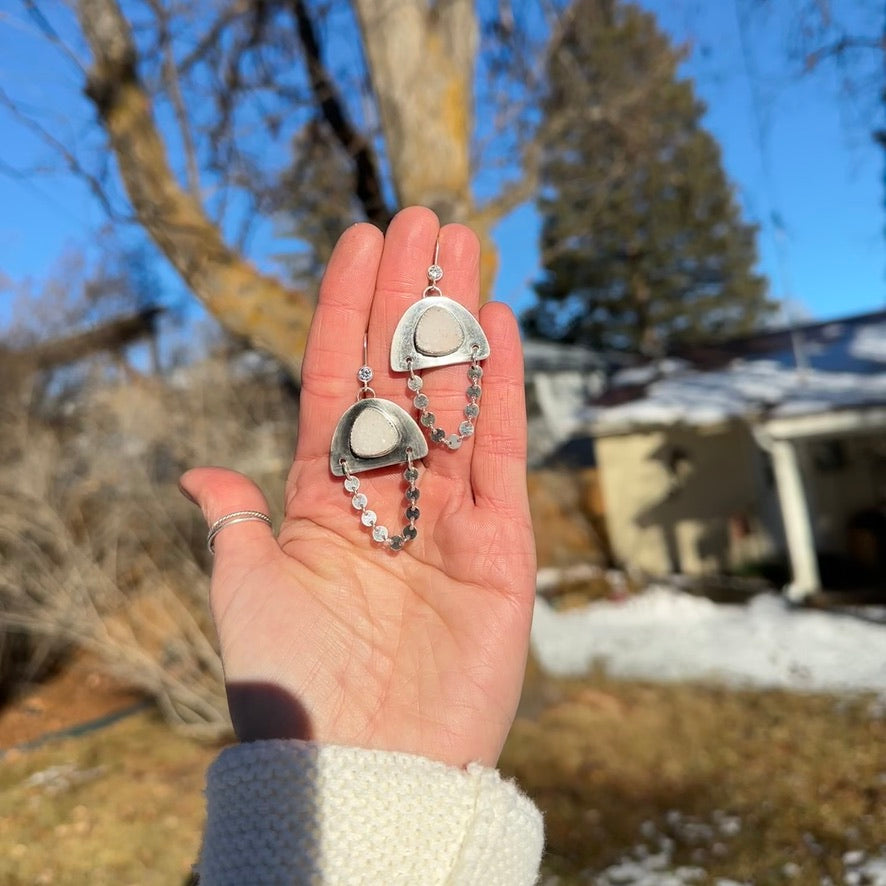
[
  {"x": 560, "y": 381},
  {"x": 753, "y": 451}
]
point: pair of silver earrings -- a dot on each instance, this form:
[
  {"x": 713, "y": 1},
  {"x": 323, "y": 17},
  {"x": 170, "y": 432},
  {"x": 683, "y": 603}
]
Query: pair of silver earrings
[{"x": 377, "y": 433}]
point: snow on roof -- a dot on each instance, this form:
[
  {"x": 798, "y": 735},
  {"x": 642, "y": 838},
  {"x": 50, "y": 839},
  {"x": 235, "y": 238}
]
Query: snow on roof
[
  {"x": 744, "y": 389},
  {"x": 811, "y": 369},
  {"x": 648, "y": 372},
  {"x": 666, "y": 635},
  {"x": 869, "y": 343}
]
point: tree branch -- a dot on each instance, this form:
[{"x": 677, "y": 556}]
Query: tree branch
[
  {"x": 841, "y": 46},
  {"x": 71, "y": 161},
  {"x": 247, "y": 302},
  {"x": 112, "y": 335},
  {"x": 169, "y": 73},
  {"x": 368, "y": 184},
  {"x": 51, "y": 34}
]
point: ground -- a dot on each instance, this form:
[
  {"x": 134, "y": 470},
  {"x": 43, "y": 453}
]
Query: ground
[
  {"x": 78, "y": 694},
  {"x": 681, "y": 783}
]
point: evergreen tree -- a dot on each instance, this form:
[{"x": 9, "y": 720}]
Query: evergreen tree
[{"x": 642, "y": 243}]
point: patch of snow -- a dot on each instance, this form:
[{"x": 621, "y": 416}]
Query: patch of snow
[
  {"x": 869, "y": 343},
  {"x": 651, "y": 871},
  {"x": 863, "y": 871},
  {"x": 549, "y": 577},
  {"x": 655, "y": 866},
  {"x": 667, "y": 635}
]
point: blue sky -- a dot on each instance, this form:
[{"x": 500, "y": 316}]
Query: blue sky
[{"x": 796, "y": 148}]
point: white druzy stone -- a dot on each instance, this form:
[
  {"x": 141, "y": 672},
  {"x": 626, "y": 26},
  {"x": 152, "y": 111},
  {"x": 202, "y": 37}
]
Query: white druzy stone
[
  {"x": 373, "y": 434},
  {"x": 438, "y": 333}
]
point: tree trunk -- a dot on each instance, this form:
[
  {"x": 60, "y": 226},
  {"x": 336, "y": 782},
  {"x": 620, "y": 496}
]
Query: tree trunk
[
  {"x": 421, "y": 60},
  {"x": 245, "y": 301}
]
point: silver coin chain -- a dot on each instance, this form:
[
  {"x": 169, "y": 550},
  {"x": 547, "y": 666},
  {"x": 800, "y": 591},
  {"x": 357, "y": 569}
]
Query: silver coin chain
[
  {"x": 370, "y": 519},
  {"x": 428, "y": 420}
]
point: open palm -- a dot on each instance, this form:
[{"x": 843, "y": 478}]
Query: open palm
[{"x": 327, "y": 635}]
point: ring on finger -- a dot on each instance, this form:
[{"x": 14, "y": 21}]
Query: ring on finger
[{"x": 230, "y": 520}]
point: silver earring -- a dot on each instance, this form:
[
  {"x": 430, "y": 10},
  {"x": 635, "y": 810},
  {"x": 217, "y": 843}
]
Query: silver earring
[
  {"x": 376, "y": 433},
  {"x": 437, "y": 331}
]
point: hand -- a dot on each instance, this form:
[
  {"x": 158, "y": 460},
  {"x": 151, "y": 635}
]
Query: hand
[{"x": 328, "y": 636}]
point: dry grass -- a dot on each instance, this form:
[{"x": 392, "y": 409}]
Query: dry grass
[
  {"x": 743, "y": 783},
  {"x": 122, "y": 806}
]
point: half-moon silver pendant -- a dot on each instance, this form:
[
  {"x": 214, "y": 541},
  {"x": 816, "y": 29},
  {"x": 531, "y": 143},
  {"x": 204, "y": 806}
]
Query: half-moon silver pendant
[
  {"x": 437, "y": 331},
  {"x": 374, "y": 433}
]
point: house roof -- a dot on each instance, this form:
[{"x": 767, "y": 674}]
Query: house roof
[
  {"x": 549, "y": 356},
  {"x": 814, "y": 369}
]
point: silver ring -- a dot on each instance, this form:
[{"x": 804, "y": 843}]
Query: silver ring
[{"x": 230, "y": 520}]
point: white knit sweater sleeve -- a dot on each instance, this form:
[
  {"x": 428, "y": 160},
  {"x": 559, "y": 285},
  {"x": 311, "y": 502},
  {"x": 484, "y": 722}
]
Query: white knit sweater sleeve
[{"x": 290, "y": 812}]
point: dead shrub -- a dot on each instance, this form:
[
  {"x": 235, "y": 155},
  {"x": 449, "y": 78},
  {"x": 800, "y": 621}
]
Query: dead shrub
[{"x": 97, "y": 547}]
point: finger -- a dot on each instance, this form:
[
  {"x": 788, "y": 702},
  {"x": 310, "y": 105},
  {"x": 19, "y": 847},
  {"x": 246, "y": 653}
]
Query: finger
[
  {"x": 334, "y": 351},
  {"x": 402, "y": 275},
  {"x": 446, "y": 387},
  {"x": 498, "y": 465},
  {"x": 218, "y": 492}
]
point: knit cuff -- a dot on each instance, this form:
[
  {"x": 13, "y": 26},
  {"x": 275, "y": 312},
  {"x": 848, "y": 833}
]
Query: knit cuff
[{"x": 287, "y": 812}]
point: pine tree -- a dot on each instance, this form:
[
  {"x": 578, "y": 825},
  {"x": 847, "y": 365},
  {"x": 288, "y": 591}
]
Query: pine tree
[{"x": 642, "y": 242}]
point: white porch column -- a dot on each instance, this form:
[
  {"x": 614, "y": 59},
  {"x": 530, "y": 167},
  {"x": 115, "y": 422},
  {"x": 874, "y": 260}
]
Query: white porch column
[{"x": 795, "y": 514}]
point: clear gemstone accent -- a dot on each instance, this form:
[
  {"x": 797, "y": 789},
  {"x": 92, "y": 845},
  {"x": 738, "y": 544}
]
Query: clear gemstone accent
[
  {"x": 410, "y": 475},
  {"x": 420, "y": 401},
  {"x": 352, "y": 484},
  {"x": 359, "y": 501},
  {"x": 453, "y": 441},
  {"x": 472, "y": 410},
  {"x": 435, "y": 273},
  {"x": 414, "y": 383},
  {"x": 428, "y": 419},
  {"x": 379, "y": 533},
  {"x": 364, "y": 373},
  {"x": 368, "y": 518},
  {"x": 474, "y": 392},
  {"x": 466, "y": 429}
]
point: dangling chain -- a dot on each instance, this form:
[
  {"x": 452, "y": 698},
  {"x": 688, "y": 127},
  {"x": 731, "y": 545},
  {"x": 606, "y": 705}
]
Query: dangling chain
[
  {"x": 472, "y": 410},
  {"x": 369, "y": 518}
]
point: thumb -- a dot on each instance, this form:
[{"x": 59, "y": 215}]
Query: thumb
[{"x": 219, "y": 492}]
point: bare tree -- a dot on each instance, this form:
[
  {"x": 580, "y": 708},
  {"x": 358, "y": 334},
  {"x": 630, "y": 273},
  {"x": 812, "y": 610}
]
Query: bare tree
[
  {"x": 844, "y": 37},
  {"x": 374, "y": 103}
]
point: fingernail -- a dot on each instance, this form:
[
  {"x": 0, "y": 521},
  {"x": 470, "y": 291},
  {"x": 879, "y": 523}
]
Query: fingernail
[{"x": 187, "y": 494}]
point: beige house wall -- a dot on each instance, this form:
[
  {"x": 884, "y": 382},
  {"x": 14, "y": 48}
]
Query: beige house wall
[{"x": 693, "y": 500}]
